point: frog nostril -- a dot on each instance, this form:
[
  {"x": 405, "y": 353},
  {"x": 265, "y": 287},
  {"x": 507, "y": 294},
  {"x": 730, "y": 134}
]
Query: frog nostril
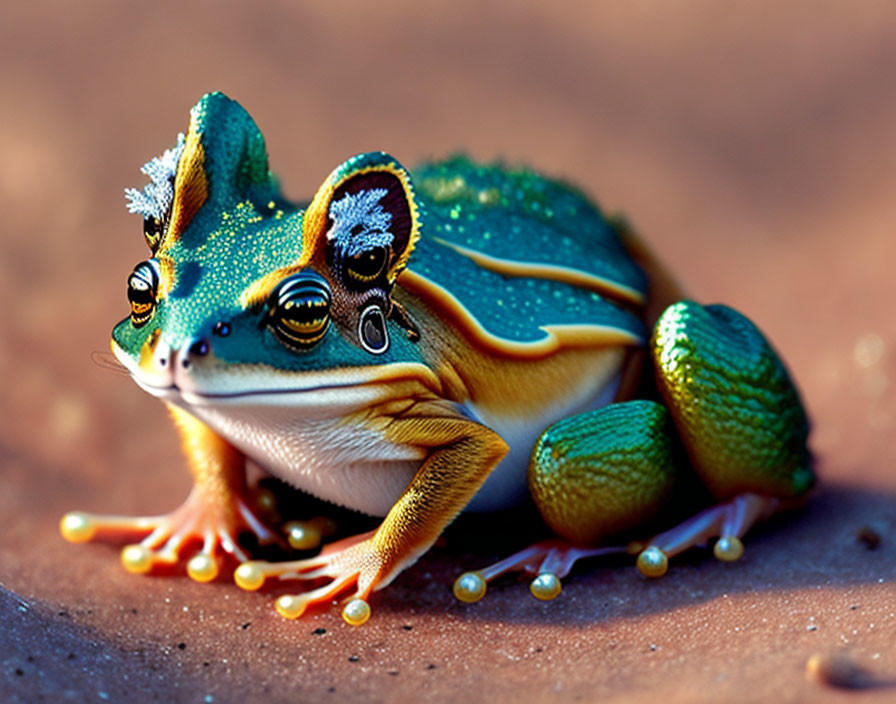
[{"x": 199, "y": 348}]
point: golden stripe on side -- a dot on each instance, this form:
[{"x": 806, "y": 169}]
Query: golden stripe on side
[
  {"x": 556, "y": 336},
  {"x": 553, "y": 272}
]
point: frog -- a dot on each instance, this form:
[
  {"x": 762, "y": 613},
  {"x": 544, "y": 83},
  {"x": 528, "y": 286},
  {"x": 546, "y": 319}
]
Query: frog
[{"x": 413, "y": 344}]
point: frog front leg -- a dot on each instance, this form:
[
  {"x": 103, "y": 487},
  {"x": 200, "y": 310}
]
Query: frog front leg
[
  {"x": 217, "y": 509},
  {"x": 460, "y": 453}
]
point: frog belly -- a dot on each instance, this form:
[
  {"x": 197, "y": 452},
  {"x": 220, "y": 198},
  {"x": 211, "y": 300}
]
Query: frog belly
[
  {"x": 506, "y": 486},
  {"x": 314, "y": 451},
  {"x": 311, "y": 448}
]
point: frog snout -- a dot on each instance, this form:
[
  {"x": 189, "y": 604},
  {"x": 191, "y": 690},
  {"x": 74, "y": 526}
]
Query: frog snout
[{"x": 173, "y": 358}]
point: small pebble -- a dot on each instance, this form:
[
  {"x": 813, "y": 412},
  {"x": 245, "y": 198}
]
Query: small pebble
[{"x": 837, "y": 670}]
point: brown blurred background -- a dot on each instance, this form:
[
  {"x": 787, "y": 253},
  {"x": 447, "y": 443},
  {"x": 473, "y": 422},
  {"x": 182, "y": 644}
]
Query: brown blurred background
[{"x": 752, "y": 144}]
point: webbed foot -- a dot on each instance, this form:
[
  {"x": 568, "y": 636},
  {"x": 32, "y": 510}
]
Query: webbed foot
[
  {"x": 548, "y": 561},
  {"x": 551, "y": 560},
  {"x": 727, "y": 521},
  {"x": 352, "y": 562},
  {"x": 166, "y": 537}
]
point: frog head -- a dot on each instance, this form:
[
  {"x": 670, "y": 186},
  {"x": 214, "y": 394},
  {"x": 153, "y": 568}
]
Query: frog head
[{"x": 245, "y": 293}]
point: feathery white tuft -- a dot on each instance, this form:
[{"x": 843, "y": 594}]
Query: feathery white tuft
[
  {"x": 154, "y": 201},
  {"x": 360, "y": 209}
]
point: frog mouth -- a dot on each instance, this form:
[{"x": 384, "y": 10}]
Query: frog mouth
[
  {"x": 193, "y": 396},
  {"x": 264, "y": 385}
]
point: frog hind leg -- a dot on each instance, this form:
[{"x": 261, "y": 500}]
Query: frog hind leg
[
  {"x": 217, "y": 509},
  {"x": 740, "y": 419},
  {"x": 592, "y": 475},
  {"x": 459, "y": 455},
  {"x": 736, "y": 410}
]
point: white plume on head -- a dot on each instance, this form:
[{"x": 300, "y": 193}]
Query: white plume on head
[
  {"x": 360, "y": 209},
  {"x": 154, "y": 201}
]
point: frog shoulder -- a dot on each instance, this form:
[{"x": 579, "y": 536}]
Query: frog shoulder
[{"x": 517, "y": 222}]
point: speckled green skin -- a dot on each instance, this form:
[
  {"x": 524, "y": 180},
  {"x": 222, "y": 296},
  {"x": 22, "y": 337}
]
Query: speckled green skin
[
  {"x": 604, "y": 472},
  {"x": 517, "y": 215},
  {"x": 734, "y": 405},
  {"x": 247, "y": 229}
]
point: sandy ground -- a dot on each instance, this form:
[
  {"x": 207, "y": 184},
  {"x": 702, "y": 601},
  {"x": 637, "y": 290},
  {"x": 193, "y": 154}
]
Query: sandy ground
[{"x": 752, "y": 144}]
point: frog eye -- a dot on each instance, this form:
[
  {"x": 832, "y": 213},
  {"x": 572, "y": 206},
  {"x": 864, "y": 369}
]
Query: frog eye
[
  {"x": 366, "y": 266},
  {"x": 372, "y": 330},
  {"x": 143, "y": 287},
  {"x": 300, "y": 309}
]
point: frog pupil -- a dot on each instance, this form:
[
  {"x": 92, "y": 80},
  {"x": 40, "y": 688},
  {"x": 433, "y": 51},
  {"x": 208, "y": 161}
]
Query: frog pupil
[{"x": 367, "y": 266}]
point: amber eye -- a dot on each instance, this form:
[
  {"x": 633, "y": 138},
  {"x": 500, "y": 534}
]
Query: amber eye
[
  {"x": 143, "y": 287},
  {"x": 300, "y": 309},
  {"x": 368, "y": 265}
]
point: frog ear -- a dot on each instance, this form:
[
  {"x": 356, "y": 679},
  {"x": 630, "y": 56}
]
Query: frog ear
[
  {"x": 365, "y": 210},
  {"x": 221, "y": 160}
]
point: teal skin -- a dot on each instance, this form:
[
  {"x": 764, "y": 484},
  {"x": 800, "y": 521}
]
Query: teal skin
[
  {"x": 496, "y": 212},
  {"x": 503, "y": 266},
  {"x": 245, "y": 213}
]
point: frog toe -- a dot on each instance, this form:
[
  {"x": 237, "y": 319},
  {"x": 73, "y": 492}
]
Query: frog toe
[
  {"x": 470, "y": 587},
  {"x": 547, "y": 561},
  {"x": 652, "y": 562},
  {"x": 727, "y": 522},
  {"x": 292, "y": 606},
  {"x": 352, "y": 562},
  {"x": 164, "y": 540},
  {"x": 140, "y": 559},
  {"x": 546, "y": 586},
  {"x": 355, "y": 612}
]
